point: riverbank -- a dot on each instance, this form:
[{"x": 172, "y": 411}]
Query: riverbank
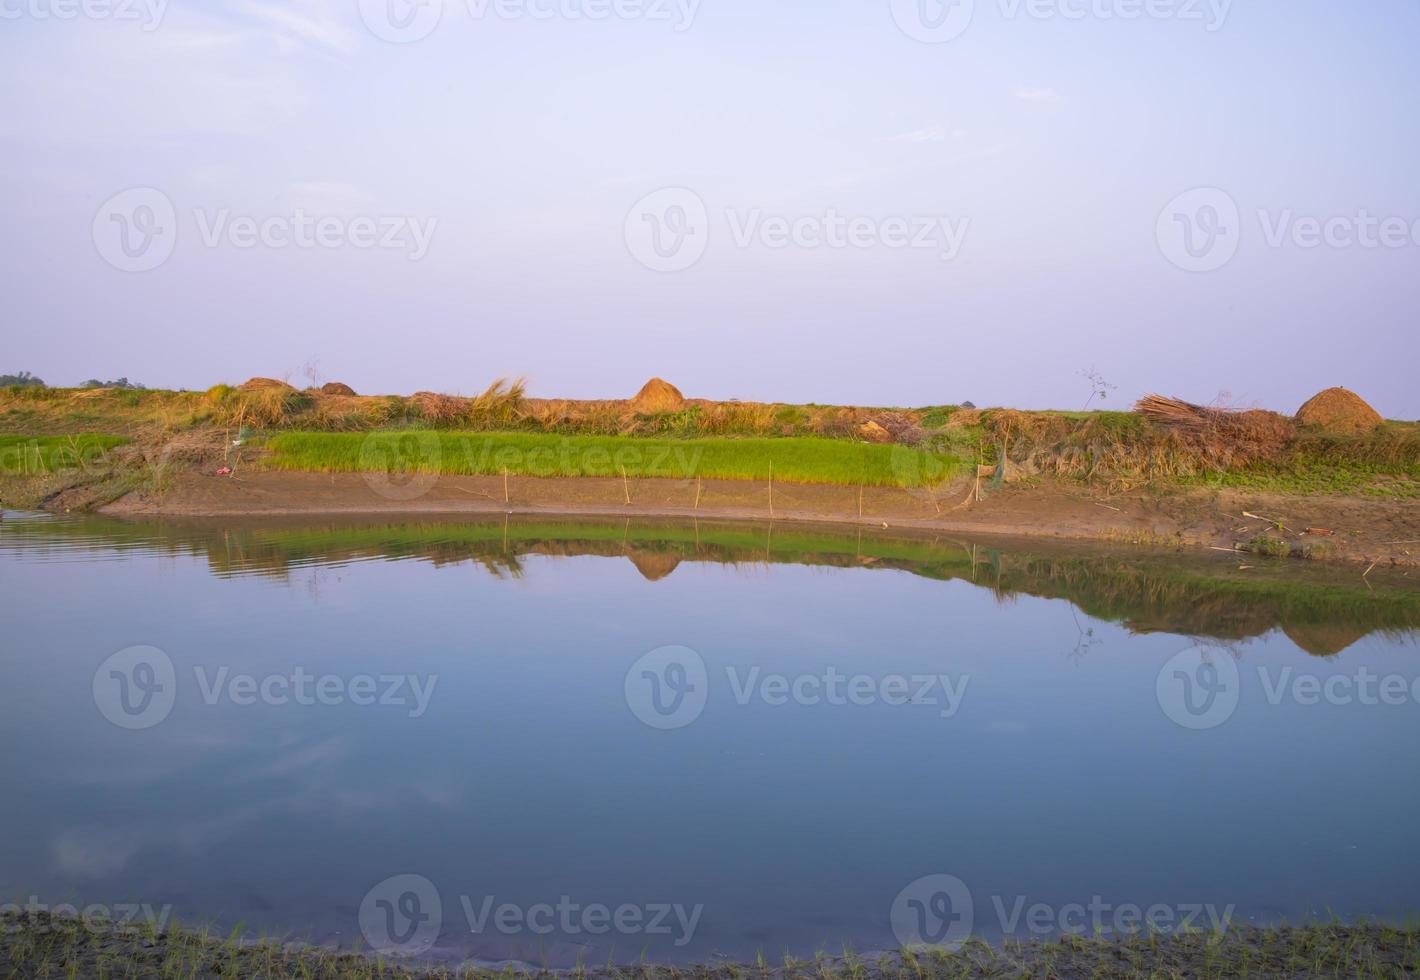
[
  {"x": 1364, "y": 530},
  {"x": 46, "y": 946}
]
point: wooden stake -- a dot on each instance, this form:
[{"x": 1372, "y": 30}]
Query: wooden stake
[
  {"x": 625, "y": 486},
  {"x": 771, "y": 488},
  {"x": 860, "y": 501},
  {"x": 505, "y": 484},
  {"x": 697, "y": 493}
]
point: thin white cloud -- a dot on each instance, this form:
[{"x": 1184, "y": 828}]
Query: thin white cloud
[{"x": 313, "y": 23}]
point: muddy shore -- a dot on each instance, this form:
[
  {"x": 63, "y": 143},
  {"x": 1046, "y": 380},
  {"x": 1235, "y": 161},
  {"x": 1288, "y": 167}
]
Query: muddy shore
[{"x": 1368, "y": 530}]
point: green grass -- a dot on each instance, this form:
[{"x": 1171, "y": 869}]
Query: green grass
[
  {"x": 1316, "y": 479},
  {"x": 51, "y": 946},
  {"x": 806, "y": 460},
  {"x": 42, "y": 455}
]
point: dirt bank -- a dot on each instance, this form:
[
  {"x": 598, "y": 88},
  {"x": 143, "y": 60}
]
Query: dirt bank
[{"x": 1381, "y": 530}]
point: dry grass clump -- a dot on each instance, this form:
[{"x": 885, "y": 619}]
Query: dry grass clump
[
  {"x": 336, "y": 388},
  {"x": 901, "y": 427},
  {"x": 437, "y": 409},
  {"x": 500, "y": 404},
  {"x": 602, "y": 418},
  {"x": 736, "y": 418}
]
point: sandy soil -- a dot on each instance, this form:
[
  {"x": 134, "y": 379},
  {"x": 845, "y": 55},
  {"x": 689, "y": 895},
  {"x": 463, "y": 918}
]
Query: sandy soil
[{"x": 1381, "y": 530}]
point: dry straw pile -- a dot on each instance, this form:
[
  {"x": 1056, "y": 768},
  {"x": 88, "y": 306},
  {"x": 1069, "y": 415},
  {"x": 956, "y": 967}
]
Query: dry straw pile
[
  {"x": 1219, "y": 435},
  {"x": 1340, "y": 411}
]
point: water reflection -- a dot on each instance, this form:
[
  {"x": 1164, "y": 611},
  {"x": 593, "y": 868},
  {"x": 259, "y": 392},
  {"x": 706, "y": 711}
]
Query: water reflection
[
  {"x": 1322, "y": 609},
  {"x": 1043, "y": 766}
]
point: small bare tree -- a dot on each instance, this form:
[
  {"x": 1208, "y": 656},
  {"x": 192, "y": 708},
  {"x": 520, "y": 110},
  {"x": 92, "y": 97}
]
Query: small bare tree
[{"x": 1099, "y": 387}]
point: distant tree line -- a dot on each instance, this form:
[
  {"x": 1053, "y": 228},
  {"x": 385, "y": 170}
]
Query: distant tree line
[
  {"x": 26, "y": 380},
  {"x": 120, "y": 383}
]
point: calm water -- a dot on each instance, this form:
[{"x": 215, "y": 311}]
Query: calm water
[{"x": 556, "y": 740}]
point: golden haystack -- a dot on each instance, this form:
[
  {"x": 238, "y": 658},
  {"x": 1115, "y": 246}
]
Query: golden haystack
[
  {"x": 657, "y": 396},
  {"x": 336, "y": 388},
  {"x": 1339, "y": 410},
  {"x": 263, "y": 384}
]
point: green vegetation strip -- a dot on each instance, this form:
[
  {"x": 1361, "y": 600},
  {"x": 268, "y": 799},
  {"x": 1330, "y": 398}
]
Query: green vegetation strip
[
  {"x": 795, "y": 460},
  {"x": 45, "y": 946},
  {"x": 40, "y": 455}
]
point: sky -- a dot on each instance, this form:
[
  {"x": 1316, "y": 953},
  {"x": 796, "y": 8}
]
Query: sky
[{"x": 876, "y": 202}]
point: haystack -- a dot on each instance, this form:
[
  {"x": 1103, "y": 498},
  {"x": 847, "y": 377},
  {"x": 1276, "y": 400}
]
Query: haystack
[
  {"x": 657, "y": 396},
  {"x": 264, "y": 384},
  {"x": 1339, "y": 410},
  {"x": 336, "y": 388}
]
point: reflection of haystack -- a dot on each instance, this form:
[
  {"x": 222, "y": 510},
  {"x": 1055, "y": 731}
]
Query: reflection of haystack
[
  {"x": 1339, "y": 410},
  {"x": 657, "y": 396},
  {"x": 654, "y": 565},
  {"x": 336, "y": 388},
  {"x": 1324, "y": 641}
]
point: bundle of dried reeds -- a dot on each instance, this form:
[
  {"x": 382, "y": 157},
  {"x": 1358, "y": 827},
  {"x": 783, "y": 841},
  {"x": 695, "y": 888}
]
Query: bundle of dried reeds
[
  {"x": 1177, "y": 413},
  {"x": 1223, "y": 436}
]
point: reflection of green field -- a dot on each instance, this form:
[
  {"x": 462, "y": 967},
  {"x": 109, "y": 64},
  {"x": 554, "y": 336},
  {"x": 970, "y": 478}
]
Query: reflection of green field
[
  {"x": 39, "y": 455},
  {"x": 1323, "y": 609},
  {"x": 800, "y": 460}
]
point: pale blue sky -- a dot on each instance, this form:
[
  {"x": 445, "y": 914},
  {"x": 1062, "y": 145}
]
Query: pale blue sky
[{"x": 1057, "y": 141}]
